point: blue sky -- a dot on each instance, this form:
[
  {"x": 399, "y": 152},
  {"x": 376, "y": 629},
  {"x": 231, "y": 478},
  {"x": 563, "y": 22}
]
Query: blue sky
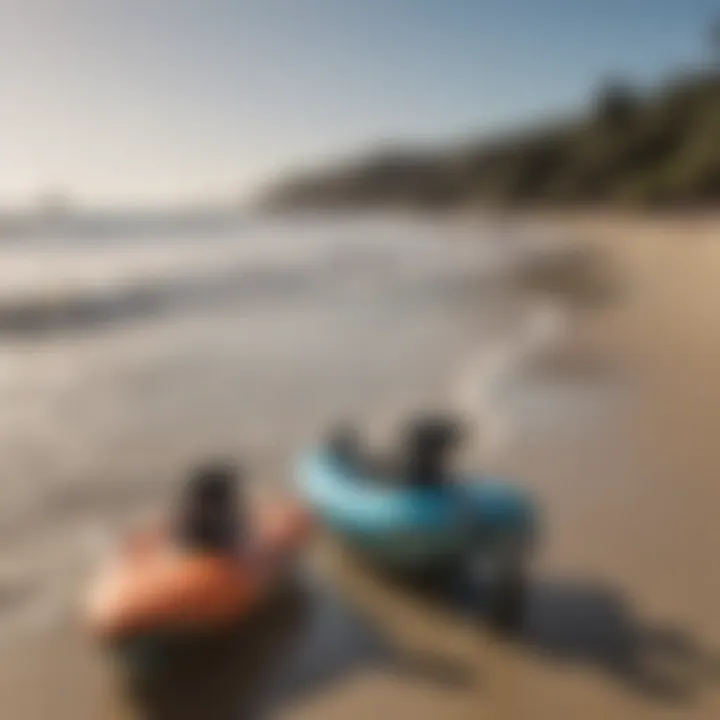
[{"x": 136, "y": 100}]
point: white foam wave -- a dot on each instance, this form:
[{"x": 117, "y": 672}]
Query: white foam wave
[{"x": 482, "y": 384}]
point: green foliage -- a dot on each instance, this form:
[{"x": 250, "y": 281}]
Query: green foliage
[
  {"x": 658, "y": 150},
  {"x": 616, "y": 105}
]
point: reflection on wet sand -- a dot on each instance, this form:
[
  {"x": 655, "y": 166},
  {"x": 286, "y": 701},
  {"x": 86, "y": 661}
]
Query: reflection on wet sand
[{"x": 307, "y": 640}]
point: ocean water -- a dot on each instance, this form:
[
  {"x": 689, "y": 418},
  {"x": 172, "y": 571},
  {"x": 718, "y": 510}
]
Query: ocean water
[{"x": 127, "y": 354}]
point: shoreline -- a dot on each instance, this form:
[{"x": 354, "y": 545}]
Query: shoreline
[{"x": 629, "y": 546}]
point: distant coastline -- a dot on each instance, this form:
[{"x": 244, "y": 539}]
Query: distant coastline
[
  {"x": 659, "y": 149},
  {"x": 98, "y": 223}
]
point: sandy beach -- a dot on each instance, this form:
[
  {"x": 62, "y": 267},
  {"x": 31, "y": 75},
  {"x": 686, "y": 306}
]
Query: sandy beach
[{"x": 612, "y": 426}]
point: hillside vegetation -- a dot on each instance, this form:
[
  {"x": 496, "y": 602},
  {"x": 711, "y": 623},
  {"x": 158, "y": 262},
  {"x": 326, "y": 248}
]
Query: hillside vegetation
[{"x": 661, "y": 148}]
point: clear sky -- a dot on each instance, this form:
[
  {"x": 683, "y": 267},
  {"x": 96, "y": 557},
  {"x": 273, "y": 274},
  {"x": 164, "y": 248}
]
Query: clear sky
[{"x": 132, "y": 100}]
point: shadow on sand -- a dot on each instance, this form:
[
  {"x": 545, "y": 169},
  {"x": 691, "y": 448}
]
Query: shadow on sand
[
  {"x": 578, "y": 622},
  {"x": 311, "y": 639},
  {"x": 307, "y": 640}
]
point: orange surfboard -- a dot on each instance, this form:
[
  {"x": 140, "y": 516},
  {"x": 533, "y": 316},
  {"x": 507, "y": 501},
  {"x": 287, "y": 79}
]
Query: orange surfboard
[{"x": 153, "y": 586}]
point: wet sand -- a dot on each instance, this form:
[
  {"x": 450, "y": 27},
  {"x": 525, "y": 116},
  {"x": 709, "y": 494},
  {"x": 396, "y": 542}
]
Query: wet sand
[
  {"x": 622, "y": 620},
  {"x": 623, "y": 615}
]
